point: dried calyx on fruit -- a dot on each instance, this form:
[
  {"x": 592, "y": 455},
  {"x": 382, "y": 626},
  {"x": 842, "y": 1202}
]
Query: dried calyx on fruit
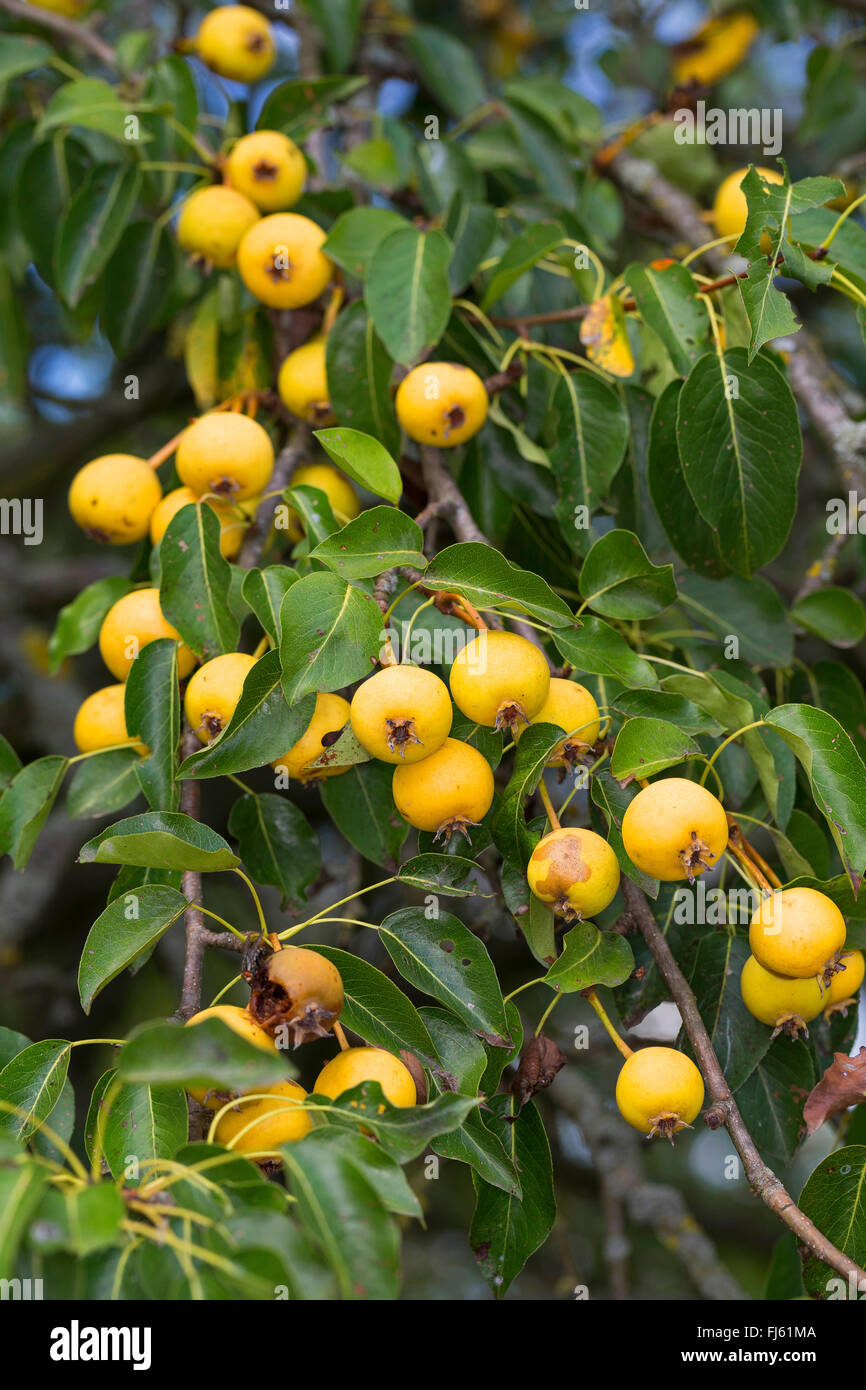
[{"x": 295, "y": 989}]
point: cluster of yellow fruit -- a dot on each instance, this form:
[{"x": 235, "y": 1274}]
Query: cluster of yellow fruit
[
  {"x": 224, "y": 459},
  {"x": 403, "y": 714},
  {"x": 301, "y": 993},
  {"x": 798, "y": 967},
  {"x": 673, "y": 829}
]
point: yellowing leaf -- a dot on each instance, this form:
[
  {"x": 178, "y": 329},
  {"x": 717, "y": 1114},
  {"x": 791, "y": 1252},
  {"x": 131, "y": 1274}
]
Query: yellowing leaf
[{"x": 604, "y": 335}]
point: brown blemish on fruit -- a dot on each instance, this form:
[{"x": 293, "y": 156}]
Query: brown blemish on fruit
[
  {"x": 278, "y": 272},
  {"x": 212, "y": 724},
  {"x": 226, "y": 487},
  {"x": 264, "y": 171},
  {"x": 256, "y": 43},
  {"x": 454, "y": 418},
  {"x": 565, "y": 867}
]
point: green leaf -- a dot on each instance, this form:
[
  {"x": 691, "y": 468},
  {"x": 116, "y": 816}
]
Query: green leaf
[
  {"x": 740, "y": 444},
  {"x": 194, "y": 582},
  {"x": 160, "y": 840},
  {"x": 277, "y": 844},
  {"x": 364, "y": 459},
  {"x": 381, "y": 538},
  {"x": 476, "y": 1145},
  {"x": 668, "y": 301},
  {"x": 339, "y": 23},
  {"x": 739, "y": 1040},
  {"x": 602, "y": 651},
  {"x": 156, "y": 1117},
  {"x": 93, "y": 225},
  {"x": 313, "y": 510},
  {"x": 353, "y": 239},
  {"x": 33, "y": 1083},
  {"x": 359, "y": 379},
  {"x": 612, "y": 800},
  {"x": 171, "y": 89},
  {"x": 448, "y": 69},
  {"x": 834, "y": 614},
  {"x": 361, "y": 806},
  {"x": 138, "y": 281},
  {"x": 444, "y": 959},
  {"x": 506, "y": 1230},
  {"x": 10, "y": 764},
  {"x": 14, "y": 342},
  {"x": 209, "y": 1056},
  {"x": 534, "y": 918},
  {"x": 836, "y": 775},
  {"x": 344, "y": 1214},
  {"x": 664, "y": 704},
  {"x": 620, "y": 581},
  {"x": 590, "y": 957},
  {"x": 263, "y": 590},
  {"x": 22, "y": 53},
  {"x": 26, "y": 805},
  {"x": 22, "y": 1187},
  {"x": 262, "y": 728},
  {"x": 488, "y": 580},
  {"x": 771, "y": 1100},
  {"x": 462, "y": 1056},
  {"x": 103, "y": 784},
  {"x": 834, "y": 1197},
  {"x": 748, "y": 609},
  {"x": 510, "y": 831},
  {"x": 331, "y": 635},
  {"x": 471, "y": 228},
  {"x": 442, "y": 873},
  {"x": 377, "y": 1009},
  {"x": 769, "y": 207},
  {"x": 403, "y": 1131},
  {"x": 692, "y": 538},
  {"x": 407, "y": 292},
  {"x": 79, "y": 622},
  {"x": 91, "y": 104},
  {"x": 645, "y": 747},
  {"x": 122, "y": 931},
  {"x": 152, "y": 711},
  {"x": 79, "y": 1221},
  {"x": 525, "y": 251},
  {"x": 592, "y": 432},
  {"x": 48, "y": 176},
  {"x": 379, "y": 1169},
  {"x": 299, "y": 106}
]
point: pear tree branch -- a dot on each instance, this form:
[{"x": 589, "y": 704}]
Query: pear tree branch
[{"x": 723, "y": 1108}]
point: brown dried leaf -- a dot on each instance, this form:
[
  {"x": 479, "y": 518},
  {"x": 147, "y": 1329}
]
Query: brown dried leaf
[
  {"x": 843, "y": 1084},
  {"x": 540, "y": 1060}
]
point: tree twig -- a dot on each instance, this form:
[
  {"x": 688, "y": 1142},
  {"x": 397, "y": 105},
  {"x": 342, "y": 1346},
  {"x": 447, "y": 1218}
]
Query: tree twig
[
  {"x": 616, "y": 1154},
  {"x": 442, "y": 489},
  {"x": 289, "y": 457},
  {"x": 71, "y": 29},
  {"x": 723, "y": 1107}
]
